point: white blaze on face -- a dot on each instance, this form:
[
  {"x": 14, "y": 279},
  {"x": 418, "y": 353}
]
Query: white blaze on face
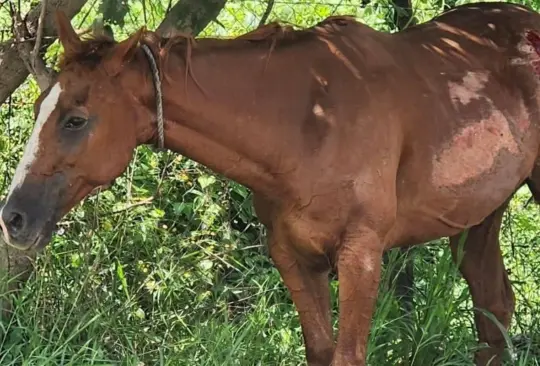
[{"x": 32, "y": 147}]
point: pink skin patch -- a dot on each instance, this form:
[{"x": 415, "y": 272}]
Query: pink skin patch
[
  {"x": 523, "y": 121},
  {"x": 523, "y": 125},
  {"x": 472, "y": 152}
]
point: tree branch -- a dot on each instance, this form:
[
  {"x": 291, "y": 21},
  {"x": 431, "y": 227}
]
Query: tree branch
[
  {"x": 13, "y": 71},
  {"x": 190, "y": 16},
  {"x": 403, "y": 16},
  {"x": 267, "y": 11},
  {"x": 31, "y": 58},
  {"x": 39, "y": 34}
]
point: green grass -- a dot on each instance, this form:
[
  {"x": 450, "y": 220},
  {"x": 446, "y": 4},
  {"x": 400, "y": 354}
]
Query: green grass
[{"x": 147, "y": 296}]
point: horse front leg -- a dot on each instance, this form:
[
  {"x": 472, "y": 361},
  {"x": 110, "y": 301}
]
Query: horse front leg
[
  {"x": 310, "y": 292},
  {"x": 359, "y": 266}
]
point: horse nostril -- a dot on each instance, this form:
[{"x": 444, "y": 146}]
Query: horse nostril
[{"x": 15, "y": 222}]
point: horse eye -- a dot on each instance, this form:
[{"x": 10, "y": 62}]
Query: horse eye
[{"x": 75, "y": 123}]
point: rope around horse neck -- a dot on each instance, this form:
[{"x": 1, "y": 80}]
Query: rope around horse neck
[{"x": 159, "y": 97}]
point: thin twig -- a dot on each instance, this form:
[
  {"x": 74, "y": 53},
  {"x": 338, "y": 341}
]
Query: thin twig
[
  {"x": 26, "y": 40},
  {"x": 35, "y": 65},
  {"x": 20, "y": 32},
  {"x": 144, "y": 12},
  {"x": 3, "y": 3},
  {"x": 90, "y": 8},
  {"x": 266, "y": 14},
  {"x": 39, "y": 33},
  {"x": 527, "y": 202},
  {"x": 135, "y": 204},
  {"x": 336, "y": 7}
]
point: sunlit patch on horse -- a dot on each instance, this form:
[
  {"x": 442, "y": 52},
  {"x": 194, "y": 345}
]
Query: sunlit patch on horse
[
  {"x": 339, "y": 54},
  {"x": 469, "y": 88},
  {"x": 435, "y": 49},
  {"x": 318, "y": 111},
  {"x": 462, "y": 33},
  {"x": 455, "y": 45}
]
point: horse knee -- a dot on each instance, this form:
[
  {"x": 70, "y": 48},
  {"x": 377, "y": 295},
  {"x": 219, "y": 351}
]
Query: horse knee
[
  {"x": 507, "y": 303},
  {"x": 319, "y": 355}
]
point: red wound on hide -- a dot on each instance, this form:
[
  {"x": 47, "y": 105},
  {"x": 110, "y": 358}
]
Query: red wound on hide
[{"x": 534, "y": 40}]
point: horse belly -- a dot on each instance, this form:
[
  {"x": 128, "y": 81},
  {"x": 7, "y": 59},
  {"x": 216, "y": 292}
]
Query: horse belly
[
  {"x": 442, "y": 214},
  {"x": 482, "y": 166},
  {"x": 464, "y": 187},
  {"x": 470, "y": 204}
]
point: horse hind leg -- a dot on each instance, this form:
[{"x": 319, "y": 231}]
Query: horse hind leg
[{"x": 483, "y": 268}]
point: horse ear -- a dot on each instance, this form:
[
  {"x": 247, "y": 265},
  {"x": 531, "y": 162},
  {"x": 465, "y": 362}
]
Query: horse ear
[
  {"x": 122, "y": 53},
  {"x": 66, "y": 34}
]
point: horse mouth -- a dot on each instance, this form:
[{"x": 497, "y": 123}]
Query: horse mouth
[{"x": 39, "y": 242}]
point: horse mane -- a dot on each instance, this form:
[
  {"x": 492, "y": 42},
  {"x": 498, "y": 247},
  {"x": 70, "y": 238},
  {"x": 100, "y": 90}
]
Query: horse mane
[
  {"x": 94, "y": 48},
  {"x": 186, "y": 43},
  {"x": 268, "y": 31},
  {"x": 90, "y": 53},
  {"x": 276, "y": 30}
]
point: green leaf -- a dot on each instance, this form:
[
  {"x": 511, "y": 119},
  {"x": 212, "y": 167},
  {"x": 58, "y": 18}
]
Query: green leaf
[
  {"x": 139, "y": 313},
  {"x": 206, "y": 180},
  {"x": 76, "y": 260},
  {"x": 157, "y": 213},
  {"x": 206, "y": 264},
  {"x": 122, "y": 277}
]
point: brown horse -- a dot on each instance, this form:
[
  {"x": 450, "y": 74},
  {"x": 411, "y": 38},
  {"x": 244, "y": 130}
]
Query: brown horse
[{"x": 352, "y": 140}]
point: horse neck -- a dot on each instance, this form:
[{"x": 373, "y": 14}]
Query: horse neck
[{"x": 223, "y": 114}]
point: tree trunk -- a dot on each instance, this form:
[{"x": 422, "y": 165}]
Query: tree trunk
[
  {"x": 190, "y": 16},
  {"x": 13, "y": 71},
  {"x": 403, "y": 18}
]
